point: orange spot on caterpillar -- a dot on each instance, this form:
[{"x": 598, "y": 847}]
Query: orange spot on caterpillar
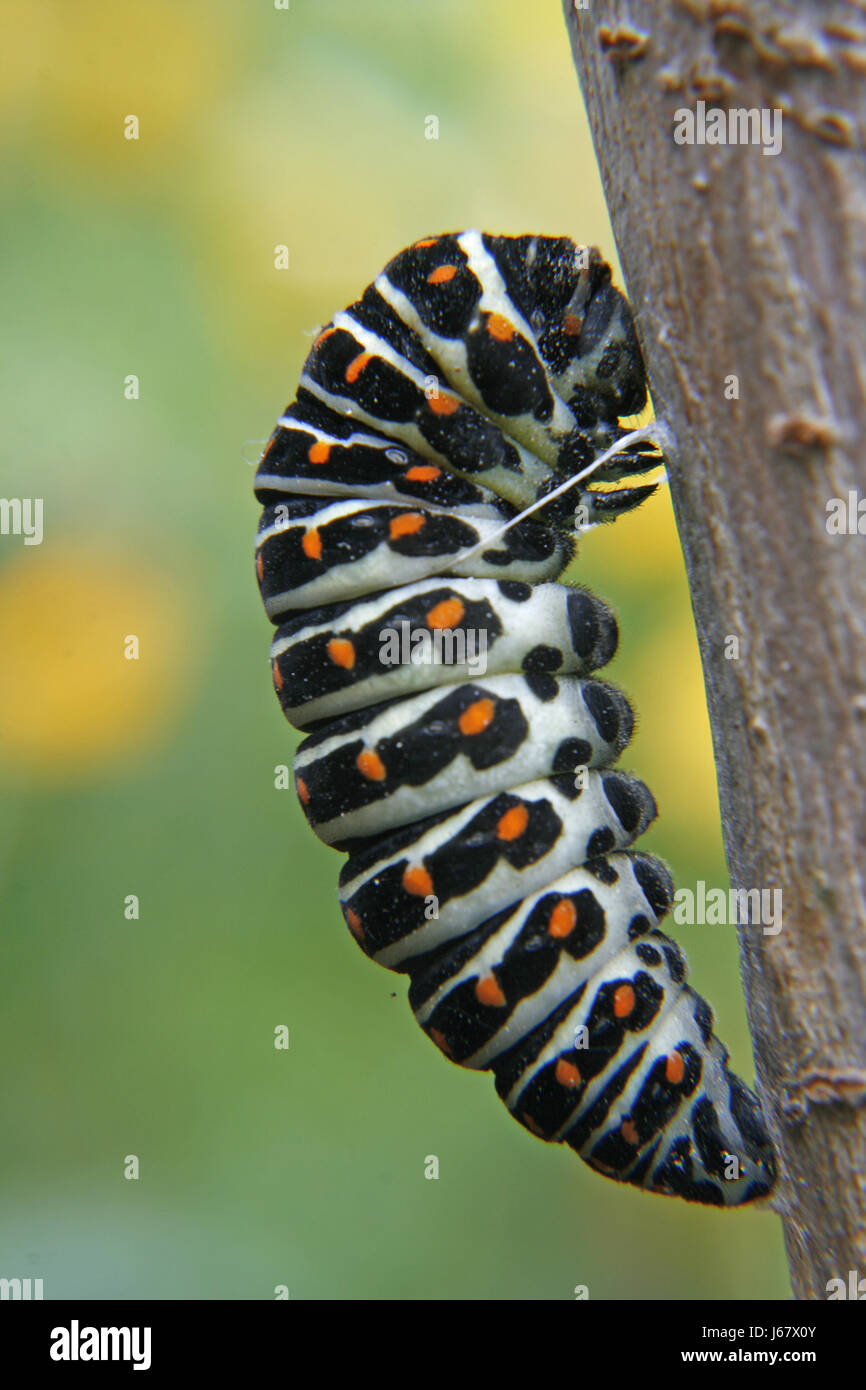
[
  {"x": 563, "y": 919},
  {"x": 441, "y": 275},
  {"x": 354, "y": 924},
  {"x": 341, "y": 652},
  {"x": 417, "y": 881},
  {"x": 406, "y": 524},
  {"x": 675, "y": 1068},
  {"x": 629, "y": 1133},
  {"x": 277, "y": 675},
  {"x": 319, "y": 452},
  {"x": 567, "y": 1074},
  {"x": 488, "y": 991},
  {"x": 512, "y": 824},
  {"x": 312, "y": 545},
  {"x": 572, "y": 325},
  {"x": 303, "y": 791},
  {"x": 370, "y": 765},
  {"x": 440, "y": 1040},
  {"x": 623, "y": 1001},
  {"x": 443, "y": 405},
  {"x": 428, "y": 241},
  {"x": 448, "y": 613},
  {"x": 356, "y": 366},
  {"x": 476, "y": 717},
  {"x": 532, "y": 1125},
  {"x": 422, "y": 473},
  {"x": 500, "y": 328},
  {"x": 260, "y": 564},
  {"x": 322, "y": 336}
]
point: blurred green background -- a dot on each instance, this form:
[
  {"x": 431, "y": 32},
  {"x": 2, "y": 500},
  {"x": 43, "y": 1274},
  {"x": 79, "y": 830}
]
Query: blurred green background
[{"x": 155, "y": 777}]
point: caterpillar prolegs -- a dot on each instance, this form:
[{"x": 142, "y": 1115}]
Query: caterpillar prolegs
[{"x": 459, "y": 747}]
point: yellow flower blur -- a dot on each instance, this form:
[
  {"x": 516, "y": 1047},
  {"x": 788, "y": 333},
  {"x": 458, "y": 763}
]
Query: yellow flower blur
[{"x": 91, "y": 671}]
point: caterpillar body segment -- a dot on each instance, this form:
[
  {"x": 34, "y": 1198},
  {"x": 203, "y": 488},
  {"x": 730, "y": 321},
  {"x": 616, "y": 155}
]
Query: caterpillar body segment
[
  {"x": 330, "y": 661},
  {"x": 384, "y": 767}
]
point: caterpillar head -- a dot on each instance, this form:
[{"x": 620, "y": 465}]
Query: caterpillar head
[{"x": 584, "y": 329}]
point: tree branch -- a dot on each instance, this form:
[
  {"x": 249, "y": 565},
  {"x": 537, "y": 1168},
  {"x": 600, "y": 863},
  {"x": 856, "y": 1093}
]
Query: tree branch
[{"x": 751, "y": 266}]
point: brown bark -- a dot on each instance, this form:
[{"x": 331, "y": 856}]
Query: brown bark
[{"x": 752, "y": 265}]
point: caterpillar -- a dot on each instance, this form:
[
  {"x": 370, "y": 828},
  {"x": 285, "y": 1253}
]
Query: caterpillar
[{"x": 459, "y": 747}]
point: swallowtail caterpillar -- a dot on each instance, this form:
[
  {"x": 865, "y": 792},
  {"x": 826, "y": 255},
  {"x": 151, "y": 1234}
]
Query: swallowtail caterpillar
[{"x": 460, "y": 746}]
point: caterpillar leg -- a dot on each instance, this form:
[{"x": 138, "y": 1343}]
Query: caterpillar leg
[{"x": 607, "y": 506}]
